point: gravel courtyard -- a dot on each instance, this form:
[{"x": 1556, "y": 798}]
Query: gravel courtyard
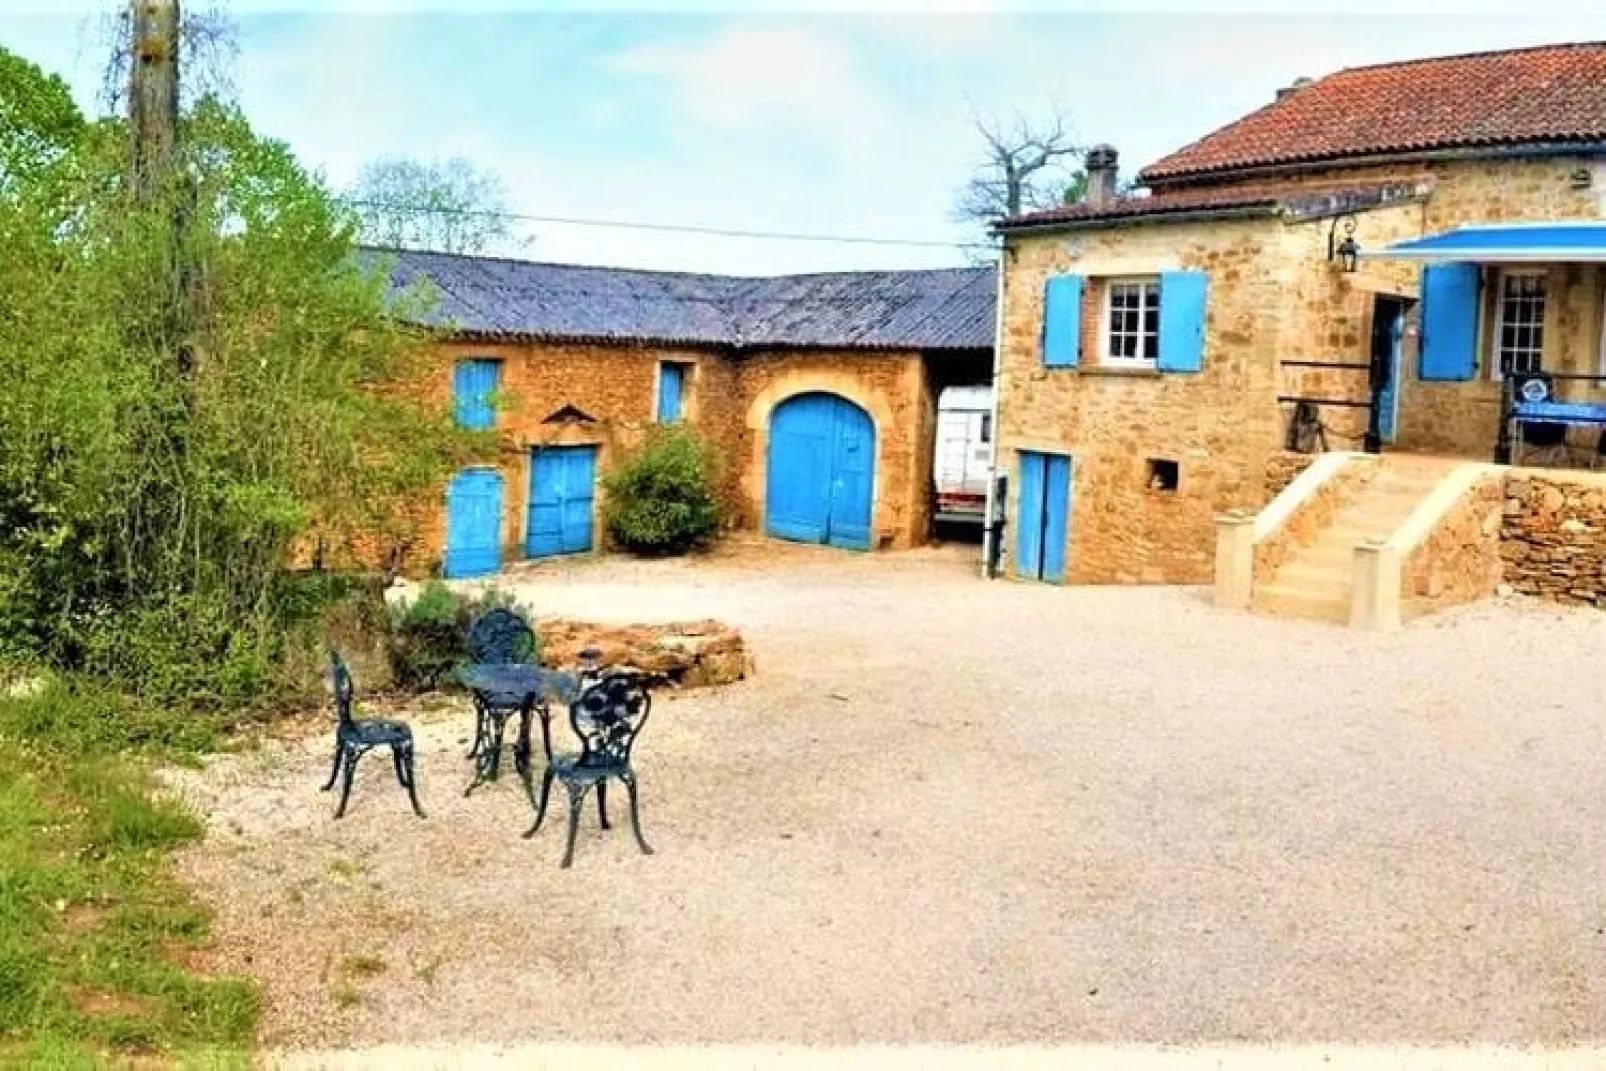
[{"x": 952, "y": 812}]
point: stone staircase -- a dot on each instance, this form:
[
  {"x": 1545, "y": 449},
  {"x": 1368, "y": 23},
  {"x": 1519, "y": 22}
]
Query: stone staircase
[{"x": 1316, "y": 580}]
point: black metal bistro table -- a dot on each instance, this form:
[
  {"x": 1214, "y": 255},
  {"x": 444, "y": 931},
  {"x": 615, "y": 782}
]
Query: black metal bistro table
[{"x": 502, "y": 689}]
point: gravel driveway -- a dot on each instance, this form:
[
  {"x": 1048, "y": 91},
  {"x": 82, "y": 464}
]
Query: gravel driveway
[{"x": 949, "y": 812}]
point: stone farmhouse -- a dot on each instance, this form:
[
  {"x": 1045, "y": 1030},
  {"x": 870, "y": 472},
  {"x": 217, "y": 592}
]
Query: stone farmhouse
[
  {"x": 1286, "y": 363},
  {"x": 1375, "y": 259},
  {"x": 819, "y": 393}
]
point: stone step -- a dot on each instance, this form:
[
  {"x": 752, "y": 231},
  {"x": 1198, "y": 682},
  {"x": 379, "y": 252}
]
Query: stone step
[
  {"x": 1318, "y": 575},
  {"x": 1298, "y": 600}
]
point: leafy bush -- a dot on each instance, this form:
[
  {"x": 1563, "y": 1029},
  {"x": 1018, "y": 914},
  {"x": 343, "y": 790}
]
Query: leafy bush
[
  {"x": 663, "y": 498},
  {"x": 428, "y": 632},
  {"x": 197, "y": 382}
]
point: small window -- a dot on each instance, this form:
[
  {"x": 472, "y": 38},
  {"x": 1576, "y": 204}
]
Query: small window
[
  {"x": 473, "y": 385},
  {"x": 1519, "y": 336},
  {"x": 986, "y": 427},
  {"x": 672, "y": 377},
  {"x": 1164, "y": 474},
  {"x": 1132, "y": 321}
]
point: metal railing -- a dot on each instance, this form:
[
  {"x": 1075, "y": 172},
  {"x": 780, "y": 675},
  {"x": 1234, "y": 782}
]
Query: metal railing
[{"x": 1304, "y": 404}]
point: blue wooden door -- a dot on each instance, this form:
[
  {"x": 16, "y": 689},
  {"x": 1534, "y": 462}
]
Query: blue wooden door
[
  {"x": 821, "y": 472},
  {"x": 473, "y": 523},
  {"x": 563, "y": 483},
  {"x": 1388, "y": 398},
  {"x": 1044, "y": 516}
]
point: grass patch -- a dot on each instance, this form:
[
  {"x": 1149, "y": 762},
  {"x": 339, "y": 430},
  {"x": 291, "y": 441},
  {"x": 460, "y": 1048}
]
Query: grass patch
[{"x": 92, "y": 922}]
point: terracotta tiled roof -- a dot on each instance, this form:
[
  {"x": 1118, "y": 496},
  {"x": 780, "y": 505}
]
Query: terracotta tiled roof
[
  {"x": 1296, "y": 201},
  {"x": 1552, "y": 94}
]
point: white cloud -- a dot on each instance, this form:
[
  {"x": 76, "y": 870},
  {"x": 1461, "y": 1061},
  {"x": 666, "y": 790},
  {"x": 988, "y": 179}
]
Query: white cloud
[{"x": 763, "y": 76}]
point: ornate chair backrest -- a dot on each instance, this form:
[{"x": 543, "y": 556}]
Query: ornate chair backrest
[
  {"x": 344, "y": 689},
  {"x": 500, "y": 637},
  {"x": 608, "y": 716}
]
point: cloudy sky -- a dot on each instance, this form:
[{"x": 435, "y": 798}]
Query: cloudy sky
[{"x": 830, "y": 122}]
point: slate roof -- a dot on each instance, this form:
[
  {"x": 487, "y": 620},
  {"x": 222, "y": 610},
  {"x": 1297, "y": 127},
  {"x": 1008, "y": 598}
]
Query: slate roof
[
  {"x": 1287, "y": 201},
  {"x": 1550, "y": 95},
  {"x": 495, "y": 298}
]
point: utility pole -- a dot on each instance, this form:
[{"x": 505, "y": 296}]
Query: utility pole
[{"x": 153, "y": 93}]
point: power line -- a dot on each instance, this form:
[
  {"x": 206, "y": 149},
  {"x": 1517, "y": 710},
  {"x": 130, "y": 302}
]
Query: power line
[{"x": 675, "y": 228}]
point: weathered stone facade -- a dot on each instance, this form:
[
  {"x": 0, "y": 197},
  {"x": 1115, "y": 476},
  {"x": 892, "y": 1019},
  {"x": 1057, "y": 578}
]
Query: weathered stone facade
[
  {"x": 1459, "y": 560},
  {"x": 1553, "y": 540},
  {"x": 1274, "y": 296},
  {"x": 729, "y": 397},
  {"x": 1281, "y": 470}
]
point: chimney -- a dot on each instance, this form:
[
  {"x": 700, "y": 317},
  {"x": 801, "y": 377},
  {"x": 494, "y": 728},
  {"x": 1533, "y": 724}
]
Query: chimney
[
  {"x": 1102, "y": 164},
  {"x": 1293, "y": 87}
]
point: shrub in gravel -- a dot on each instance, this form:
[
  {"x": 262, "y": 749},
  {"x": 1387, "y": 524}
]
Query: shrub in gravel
[
  {"x": 427, "y": 633},
  {"x": 663, "y": 498}
]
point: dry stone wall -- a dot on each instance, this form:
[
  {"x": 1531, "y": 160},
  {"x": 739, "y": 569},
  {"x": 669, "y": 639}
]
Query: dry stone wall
[
  {"x": 1460, "y": 561},
  {"x": 609, "y": 393},
  {"x": 1281, "y": 470},
  {"x": 688, "y": 654},
  {"x": 1553, "y": 540}
]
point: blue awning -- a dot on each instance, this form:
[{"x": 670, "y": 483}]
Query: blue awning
[{"x": 1555, "y": 242}]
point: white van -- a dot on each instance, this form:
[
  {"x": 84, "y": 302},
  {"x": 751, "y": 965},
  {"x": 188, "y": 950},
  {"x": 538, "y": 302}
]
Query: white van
[{"x": 964, "y": 445}]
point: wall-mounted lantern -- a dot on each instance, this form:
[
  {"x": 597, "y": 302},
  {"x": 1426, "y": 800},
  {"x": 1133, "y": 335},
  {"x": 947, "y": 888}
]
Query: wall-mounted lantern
[{"x": 1346, "y": 250}]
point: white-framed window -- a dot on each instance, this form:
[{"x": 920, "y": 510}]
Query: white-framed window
[
  {"x": 1132, "y": 321},
  {"x": 1518, "y": 341}
]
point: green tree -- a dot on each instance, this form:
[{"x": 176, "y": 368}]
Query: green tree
[
  {"x": 447, "y": 206},
  {"x": 146, "y": 518}
]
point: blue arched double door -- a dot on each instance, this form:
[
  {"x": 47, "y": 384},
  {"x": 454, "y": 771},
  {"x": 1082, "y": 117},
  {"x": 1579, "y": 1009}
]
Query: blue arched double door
[{"x": 821, "y": 472}]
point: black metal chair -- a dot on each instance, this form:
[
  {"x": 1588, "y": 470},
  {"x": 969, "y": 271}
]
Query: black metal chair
[
  {"x": 354, "y": 738},
  {"x": 497, "y": 637},
  {"x": 607, "y": 717}
]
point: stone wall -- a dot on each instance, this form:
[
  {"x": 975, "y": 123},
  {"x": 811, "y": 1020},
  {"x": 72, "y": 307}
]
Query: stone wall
[
  {"x": 1274, "y": 296},
  {"x": 890, "y": 386},
  {"x": 1460, "y": 560},
  {"x": 687, "y": 654},
  {"x": 727, "y": 397},
  {"x": 1281, "y": 470},
  {"x": 1553, "y": 540},
  {"x": 1220, "y": 425}
]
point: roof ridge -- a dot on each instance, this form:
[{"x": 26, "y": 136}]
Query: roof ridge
[
  {"x": 503, "y": 259},
  {"x": 1531, "y": 95},
  {"x": 1475, "y": 54}
]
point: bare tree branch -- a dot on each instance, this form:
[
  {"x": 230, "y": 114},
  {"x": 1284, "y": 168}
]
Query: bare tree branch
[{"x": 1025, "y": 165}]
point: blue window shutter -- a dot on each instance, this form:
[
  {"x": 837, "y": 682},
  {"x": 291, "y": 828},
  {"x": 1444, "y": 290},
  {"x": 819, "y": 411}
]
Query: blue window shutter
[
  {"x": 1183, "y": 296},
  {"x": 473, "y": 383},
  {"x": 1062, "y": 321},
  {"x": 671, "y": 384},
  {"x": 1449, "y": 321}
]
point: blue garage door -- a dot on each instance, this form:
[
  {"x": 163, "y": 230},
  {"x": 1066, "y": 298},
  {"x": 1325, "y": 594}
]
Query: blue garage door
[
  {"x": 563, "y": 483},
  {"x": 821, "y": 472},
  {"x": 474, "y": 523},
  {"x": 1045, "y": 511}
]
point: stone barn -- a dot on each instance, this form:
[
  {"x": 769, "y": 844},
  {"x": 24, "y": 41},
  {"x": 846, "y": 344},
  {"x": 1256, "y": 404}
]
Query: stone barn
[{"x": 817, "y": 391}]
